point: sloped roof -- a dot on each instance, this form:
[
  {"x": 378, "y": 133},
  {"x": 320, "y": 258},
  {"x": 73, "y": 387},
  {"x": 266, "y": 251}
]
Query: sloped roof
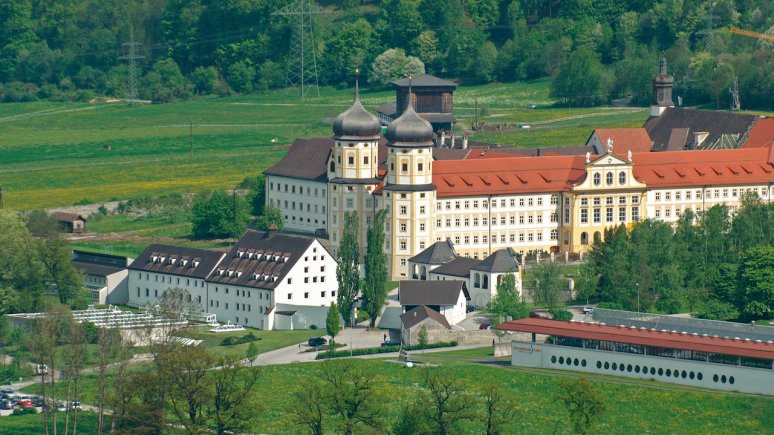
[
  {"x": 421, "y": 80},
  {"x": 705, "y": 167},
  {"x": 460, "y": 266},
  {"x": 62, "y": 216},
  {"x": 177, "y": 260},
  {"x": 713, "y": 122},
  {"x": 500, "y": 261},
  {"x": 437, "y": 253},
  {"x": 306, "y": 159},
  {"x": 624, "y": 139},
  {"x": 413, "y": 317},
  {"x": 95, "y": 269},
  {"x": 508, "y": 175},
  {"x": 761, "y": 134},
  {"x": 431, "y": 292},
  {"x": 647, "y": 337},
  {"x": 259, "y": 255}
]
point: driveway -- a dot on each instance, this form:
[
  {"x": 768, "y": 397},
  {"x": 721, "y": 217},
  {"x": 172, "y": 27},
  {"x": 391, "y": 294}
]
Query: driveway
[{"x": 474, "y": 319}]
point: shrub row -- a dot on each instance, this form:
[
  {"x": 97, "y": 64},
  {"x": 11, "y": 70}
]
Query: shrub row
[
  {"x": 386, "y": 349},
  {"x": 232, "y": 341}
]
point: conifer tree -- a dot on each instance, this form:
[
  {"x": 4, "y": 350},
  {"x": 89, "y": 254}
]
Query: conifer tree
[
  {"x": 347, "y": 271},
  {"x": 374, "y": 292}
]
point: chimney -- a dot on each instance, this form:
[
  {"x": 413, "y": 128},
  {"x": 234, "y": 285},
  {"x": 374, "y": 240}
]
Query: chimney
[
  {"x": 464, "y": 142},
  {"x": 272, "y": 230}
]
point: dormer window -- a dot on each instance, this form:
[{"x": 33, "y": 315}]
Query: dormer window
[
  {"x": 240, "y": 254},
  {"x": 195, "y": 263},
  {"x": 256, "y": 277},
  {"x": 154, "y": 258},
  {"x": 184, "y": 262},
  {"x": 161, "y": 259},
  {"x": 219, "y": 272},
  {"x": 238, "y": 274}
]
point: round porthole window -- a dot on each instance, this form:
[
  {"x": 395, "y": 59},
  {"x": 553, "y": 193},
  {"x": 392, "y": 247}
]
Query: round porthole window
[
  {"x": 583, "y": 363},
  {"x": 575, "y": 362},
  {"x": 684, "y": 374},
  {"x": 629, "y": 368},
  {"x": 692, "y": 375},
  {"x": 661, "y": 372},
  {"x": 699, "y": 376},
  {"x": 553, "y": 359},
  {"x": 723, "y": 379},
  {"x": 599, "y": 364},
  {"x": 636, "y": 369},
  {"x": 621, "y": 367},
  {"x": 731, "y": 380},
  {"x": 676, "y": 373},
  {"x": 668, "y": 372},
  {"x": 561, "y": 360},
  {"x": 569, "y": 361},
  {"x": 615, "y": 366},
  {"x": 652, "y": 370},
  {"x": 714, "y": 378},
  {"x": 607, "y": 365}
]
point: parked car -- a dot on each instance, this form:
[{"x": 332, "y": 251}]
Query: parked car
[
  {"x": 391, "y": 343},
  {"x": 485, "y": 326},
  {"x": 531, "y": 106},
  {"x": 37, "y": 401},
  {"x": 317, "y": 341},
  {"x": 41, "y": 369},
  {"x": 25, "y": 403},
  {"x": 588, "y": 309},
  {"x": 7, "y": 404},
  {"x": 61, "y": 407},
  {"x": 470, "y": 309},
  {"x": 7, "y": 394}
]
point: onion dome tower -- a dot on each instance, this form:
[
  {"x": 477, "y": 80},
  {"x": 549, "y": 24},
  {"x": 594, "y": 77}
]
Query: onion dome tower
[
  {"x": 662, "y": 90},
  {"x": 409, "y": 189},
  {"x": 353, "y": 170}
]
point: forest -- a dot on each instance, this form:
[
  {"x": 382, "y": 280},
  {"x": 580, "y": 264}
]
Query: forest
[{"x": 595, "y": 50}]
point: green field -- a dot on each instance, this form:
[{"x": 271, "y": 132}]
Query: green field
[
  {"x": 633, "y": 407},
  {"x": 54, "y": 154},
  {"x": 268, "y": 340}
]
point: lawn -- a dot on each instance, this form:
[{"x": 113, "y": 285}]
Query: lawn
[
  {"x": 631, "y": 407},
  {"x": 268, "y": 340},
  {"x": 32, "y": 424}
]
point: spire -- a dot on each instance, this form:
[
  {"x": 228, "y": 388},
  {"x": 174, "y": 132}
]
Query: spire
[
  {"x": 357, "y": 85},
  {"x": 411, "y": 97},
  {"x": 662, "y": 65},
  {"x": 356, "y": 122}
]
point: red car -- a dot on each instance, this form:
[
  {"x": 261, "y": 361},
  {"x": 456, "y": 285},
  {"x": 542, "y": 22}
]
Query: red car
[
  {"x": 485, "y": 326},
  {"x": 24, "y": 403}
]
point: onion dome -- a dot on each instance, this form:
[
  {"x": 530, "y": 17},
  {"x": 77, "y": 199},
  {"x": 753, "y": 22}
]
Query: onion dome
[
  {"x": 356, "y": 122},
  {"x": 410, "y": 129}
]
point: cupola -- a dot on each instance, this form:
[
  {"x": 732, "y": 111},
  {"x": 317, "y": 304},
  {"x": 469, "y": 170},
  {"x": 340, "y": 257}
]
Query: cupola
[
  {"x": 410, "y": 129},
  {"x": 356, "y": 122}
]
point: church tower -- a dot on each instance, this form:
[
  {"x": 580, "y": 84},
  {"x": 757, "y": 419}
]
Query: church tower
[
  {"x": 409, "y": 192},
  {"x": 662, "y": 90},
  {"x": 352, "y": 170}
]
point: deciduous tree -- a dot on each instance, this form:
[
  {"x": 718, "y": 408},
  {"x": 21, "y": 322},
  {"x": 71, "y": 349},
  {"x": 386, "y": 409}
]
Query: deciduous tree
[
  {"x": 584, "y": 403},
  {"x": 348, "y": 269},
  {"x": 507, "y": 303},
  {"x": 332, "y": 323},
  {"x": 374, "y": 291},
  {"x": 447, "y": 400},
  {"x": 231, "y": 408}
]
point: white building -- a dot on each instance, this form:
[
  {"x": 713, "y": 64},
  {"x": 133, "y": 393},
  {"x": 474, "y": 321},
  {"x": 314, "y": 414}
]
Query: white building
[
  {"x": 449, "y": 298},
  {"x": 105, "y": 276},
  {"x": 266, "y": 280}
]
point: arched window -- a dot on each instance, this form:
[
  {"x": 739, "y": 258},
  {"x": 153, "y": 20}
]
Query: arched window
[
  {"x": 622, "y": 177},
  {"x": 486, "y": 281},
  {"x": 597, "y": 179},
  {"x": 609, "y": 178},
  {"x": 477, "y": 280},
  {"x": 584, "y": 238},
  {"x": 597, "y": 237},
  {"x": 333, "y": 167}
]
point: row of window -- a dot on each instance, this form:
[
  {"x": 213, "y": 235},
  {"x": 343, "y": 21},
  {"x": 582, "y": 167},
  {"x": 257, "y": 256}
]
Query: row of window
[
  {"x": 291, "y": 188},
  {"x": 609, "y": 178},
  {"x": 596, "y": 214},
  {"x": 167, "y": 279},
  {"x": 711, "y": 193},
  {"x": 322, "y": 295},
  {"x": 653, "y": 371},
  {"x": 502, "y": 220},
  {"x": 609, "y": 200},
  {"x": 503, "y": 238},
  {"x": 664, "y": 352},
  {"x": 292, "y": 204},
  {"x": 504, "y": 202}
]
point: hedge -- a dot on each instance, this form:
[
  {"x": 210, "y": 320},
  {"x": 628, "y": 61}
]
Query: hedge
[
  {"x": 232, "y": 341},
  {"x": 377, "y": 350}
]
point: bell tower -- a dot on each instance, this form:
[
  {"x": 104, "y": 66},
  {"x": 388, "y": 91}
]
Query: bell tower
[{"x": 662, "y": 90}]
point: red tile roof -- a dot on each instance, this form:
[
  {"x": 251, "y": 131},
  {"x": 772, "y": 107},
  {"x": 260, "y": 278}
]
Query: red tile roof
[
  {"x": 761, "y": 134},
  {"x": 498, "y": 176},
  {"x": 625, "y": 139},
  {"x": 646, "y": 337},
  {"x": 704, "y": 168}
]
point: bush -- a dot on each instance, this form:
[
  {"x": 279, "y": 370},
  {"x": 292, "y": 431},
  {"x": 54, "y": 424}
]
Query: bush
[
  {"x": 233, "y": 341},
  {"x": 560, "y": 314},
  {"x": 312, "y": 327},
  {"x": 378, "y": 350},
  {"x": 24, "y": 411}
]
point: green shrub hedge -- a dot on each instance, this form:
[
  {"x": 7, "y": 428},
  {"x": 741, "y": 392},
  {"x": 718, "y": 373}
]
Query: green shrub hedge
[
  {"x": 233, "y": 341},
  {"x": 376, "y": 350}
]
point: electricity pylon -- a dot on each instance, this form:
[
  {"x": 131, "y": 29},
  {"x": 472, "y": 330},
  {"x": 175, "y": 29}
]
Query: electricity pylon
[{"x": 302, "y": 61}]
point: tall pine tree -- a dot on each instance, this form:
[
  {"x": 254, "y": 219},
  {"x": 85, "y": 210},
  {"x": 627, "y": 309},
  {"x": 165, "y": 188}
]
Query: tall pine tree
[
  {"x": 374, "y": 292},
  {"x": 347, "y": 271}
]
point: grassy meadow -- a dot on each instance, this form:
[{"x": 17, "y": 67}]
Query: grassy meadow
[
  {"x": 55, "y": 154},
  {"x": 632, "y": 407}
]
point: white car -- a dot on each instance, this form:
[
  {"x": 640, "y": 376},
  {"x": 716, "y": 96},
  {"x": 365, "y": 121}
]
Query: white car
[{"x": 588, "y": 310}]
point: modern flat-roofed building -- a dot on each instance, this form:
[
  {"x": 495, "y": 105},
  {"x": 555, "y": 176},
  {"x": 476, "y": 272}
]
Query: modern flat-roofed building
[
  {"x": 104, "y": 275},
  {"x": 699, "y": 360}
]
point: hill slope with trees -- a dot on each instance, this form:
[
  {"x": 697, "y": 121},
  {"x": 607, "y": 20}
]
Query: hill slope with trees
[{"x": 71, "y": 49}]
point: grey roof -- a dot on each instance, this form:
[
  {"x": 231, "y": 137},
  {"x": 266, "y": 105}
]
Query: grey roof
[
  {"x": 258, "y": 250},
  {"x": 431, "y": 292},
  {"x": 95, "y": 269},
  {"x": 62, "y": 216},
  {"x": 356, "y": 122},
  {"x": 306, "y": 159},
  {"x": 409, "y": 130},
  {"x": 169, "y": 259},
  {"x": 421, "y": 80},
  {"x": 420, "y": 313},
  {"x": 391, "y": 109},
  {"x": 715, "y": 123},
  {"x": 501, "y": 261},
  {"x": 438, "y": 253},
  {"x": 460, "y": 266}
]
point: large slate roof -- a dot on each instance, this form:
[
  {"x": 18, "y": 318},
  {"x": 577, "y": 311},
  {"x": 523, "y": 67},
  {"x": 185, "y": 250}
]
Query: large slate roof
[
  {"x": 177, "y": 260},
  {"x": 667, "y": 132},
  {"x": 260, "y": 259},
  {"x": 438, "y": 253},
  {"x": 460, "y": 266},
  {"x": 431, "y": 292},
  {"x": 422, "y": 80},
  {"x": 501, "y": 261},
  {"x": 420, "y": 313}
]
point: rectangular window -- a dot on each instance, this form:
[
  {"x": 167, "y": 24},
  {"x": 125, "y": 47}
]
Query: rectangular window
[
  {"x": 421, "y": 209},
  {"x": 467, "y": 239},
  {"x": 402, "y": 245},
  {"x": 404, "y": 168},
  {"x": 668, "y": 196},
  {"x": 635, "y": 214},
  {"x": 609, "y": 214},
  {"x": 457, "y": 222},
  {"x": 622, "y": 214},
  {"x": 521, "y": 220},
  {"x": 597, "y": 216},
  {"x": 422, "y": 227},
  {"x": 467, "y": 222},
  {"x": 658, "y": 196},
  {"x": 475, "y": 240},
  {"x": 530, "y": 237},
  {"x": 584, "y": 218},
  {"x": 403, "y": 210},
  {"x": 467, "y": 204},
  {"x": 529, "y": 202},
  {"x": 539, "y": 237},
  {"x": 521, "y": 202}
]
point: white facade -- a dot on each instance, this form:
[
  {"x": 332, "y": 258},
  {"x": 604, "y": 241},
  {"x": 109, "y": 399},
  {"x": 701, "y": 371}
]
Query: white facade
[
  {"x": 668, "y": 204},
  {"x": 146, "y": 288},
  {"x": 676, "y": 371},
  {"x": 303, "y": 203}
]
